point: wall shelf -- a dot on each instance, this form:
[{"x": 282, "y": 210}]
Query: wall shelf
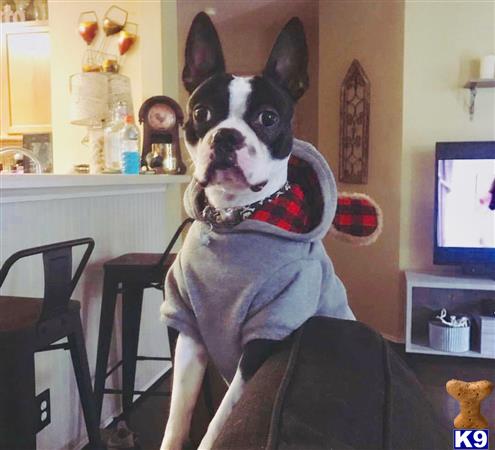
[
  {"x": 473, "y": 86},
  {"x": 426, "y": 350}
]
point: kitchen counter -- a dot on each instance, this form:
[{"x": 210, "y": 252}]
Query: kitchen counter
[
  {"x": 123, "y": 214},
  {"x": 31, "y": 187}
]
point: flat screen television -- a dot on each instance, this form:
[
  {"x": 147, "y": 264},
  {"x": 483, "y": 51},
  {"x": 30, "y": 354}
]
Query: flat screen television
[{"x": 464, "y": 228}]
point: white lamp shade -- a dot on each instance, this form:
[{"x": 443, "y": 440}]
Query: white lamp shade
[
  {"x": 88, "y": 98},
  {"x": 119, "y": 90},
  {"x": 92, "y": 95}
]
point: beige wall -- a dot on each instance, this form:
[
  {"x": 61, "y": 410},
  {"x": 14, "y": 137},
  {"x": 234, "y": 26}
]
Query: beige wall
[
  {"x": 248, "y": 31},
  {"x": 170, "y": 49},
  {"x": 443, "y": 43},
  {"x": 143, "y": 64},
  {"x": 372, "y": 32}
]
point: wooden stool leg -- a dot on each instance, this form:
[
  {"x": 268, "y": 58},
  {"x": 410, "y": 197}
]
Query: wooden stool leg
[
  {"x": 83, "y": 378},
  {"x": 18, "y": 407},
  {"x": 107, "y": 315},
  {"x": 132, "y": 302}
]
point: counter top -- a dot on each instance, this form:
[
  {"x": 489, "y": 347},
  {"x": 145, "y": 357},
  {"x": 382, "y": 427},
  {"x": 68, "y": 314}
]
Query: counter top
[
  {"x": 15, "y": 181},
  {"x": 33, "y": 187}
]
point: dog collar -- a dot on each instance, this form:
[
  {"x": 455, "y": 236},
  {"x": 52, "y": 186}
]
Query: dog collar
[{"x": 230, "y": 217}]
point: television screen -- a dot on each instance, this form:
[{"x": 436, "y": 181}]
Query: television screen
[{"x": 465, "y": 203}]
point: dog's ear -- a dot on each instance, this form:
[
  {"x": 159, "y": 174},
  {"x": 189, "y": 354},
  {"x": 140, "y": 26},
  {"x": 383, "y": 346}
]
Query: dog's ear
[
  {"x": 288, "y": 61},
  {"x": 204, "y": 56}
]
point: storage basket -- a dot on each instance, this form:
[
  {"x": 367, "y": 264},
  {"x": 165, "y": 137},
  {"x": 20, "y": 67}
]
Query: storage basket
[{"x": 449, "y": 339}]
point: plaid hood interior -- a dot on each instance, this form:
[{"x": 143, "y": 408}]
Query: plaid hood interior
[{"x": 299, "y": 210}]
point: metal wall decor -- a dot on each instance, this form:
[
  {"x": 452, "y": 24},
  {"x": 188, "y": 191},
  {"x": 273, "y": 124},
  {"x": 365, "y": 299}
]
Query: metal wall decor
[{"x": 354, "y": 126}]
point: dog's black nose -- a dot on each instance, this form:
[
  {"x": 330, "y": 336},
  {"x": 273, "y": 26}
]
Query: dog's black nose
[
  {"x": 225, "y": 143},
  {"x": 227, "y": 140}
]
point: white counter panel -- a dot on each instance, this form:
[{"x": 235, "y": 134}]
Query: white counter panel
[{"x": 121, "y": 216}]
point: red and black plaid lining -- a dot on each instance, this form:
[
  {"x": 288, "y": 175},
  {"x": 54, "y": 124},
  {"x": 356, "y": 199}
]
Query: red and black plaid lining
[
  {"x": 355, "y": 216},
  {"x": 286, "y": 211},
  {"x": 300, "y": 172},
  {"x": 298, "y": 210}
]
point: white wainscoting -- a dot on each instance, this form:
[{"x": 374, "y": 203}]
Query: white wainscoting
[{"x": 121, "y": 216}]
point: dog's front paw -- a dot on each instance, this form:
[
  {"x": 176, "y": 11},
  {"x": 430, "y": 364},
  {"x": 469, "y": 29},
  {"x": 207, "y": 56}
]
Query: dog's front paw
[
  {"x": 169, "y": 446},
  {"x": 204, "y": 446},
  {"x": 172, "y": 443},
  {"x": 208, "y": 439}
]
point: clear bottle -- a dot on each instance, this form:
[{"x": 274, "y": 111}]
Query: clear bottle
[
  {"x": 112, "y": 136},
  {"x": 131, "y": 157}
]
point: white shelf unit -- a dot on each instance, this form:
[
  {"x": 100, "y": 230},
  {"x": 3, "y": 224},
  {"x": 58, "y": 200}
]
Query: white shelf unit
[{"x": 427, "y": 294}]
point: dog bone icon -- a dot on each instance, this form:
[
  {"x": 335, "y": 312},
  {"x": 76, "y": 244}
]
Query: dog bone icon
[{"x": 470, "y": 395}]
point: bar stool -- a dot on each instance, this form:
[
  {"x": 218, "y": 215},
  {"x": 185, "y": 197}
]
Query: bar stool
[
  {"x": 129, "y": 274},
  {"x": 29, "y": 325}
]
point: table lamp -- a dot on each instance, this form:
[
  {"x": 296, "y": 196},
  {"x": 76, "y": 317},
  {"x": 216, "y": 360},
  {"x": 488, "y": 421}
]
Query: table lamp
[{"x": 92, "y": 95}]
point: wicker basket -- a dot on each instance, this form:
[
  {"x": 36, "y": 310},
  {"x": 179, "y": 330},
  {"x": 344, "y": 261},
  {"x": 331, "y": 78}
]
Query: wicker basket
[{"x": 449, "y": 339}]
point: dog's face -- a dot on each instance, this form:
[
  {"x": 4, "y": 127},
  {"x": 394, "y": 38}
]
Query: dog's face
[{"x": 238, "y": 129}]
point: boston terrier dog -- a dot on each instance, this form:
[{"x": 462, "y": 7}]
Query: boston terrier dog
[{"x": 238, "y": 287}]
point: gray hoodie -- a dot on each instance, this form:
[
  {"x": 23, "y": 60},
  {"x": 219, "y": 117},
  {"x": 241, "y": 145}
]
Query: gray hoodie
[{"x": 255, "y": 280}]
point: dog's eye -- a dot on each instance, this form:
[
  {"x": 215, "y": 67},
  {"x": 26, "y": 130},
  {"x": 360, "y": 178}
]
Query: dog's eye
[
  {"x": 201, "y": 114},
  {"x": 268, "y": 118}
]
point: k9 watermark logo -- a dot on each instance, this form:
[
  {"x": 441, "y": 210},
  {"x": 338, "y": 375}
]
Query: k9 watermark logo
[{"x": 471, "y": 439}]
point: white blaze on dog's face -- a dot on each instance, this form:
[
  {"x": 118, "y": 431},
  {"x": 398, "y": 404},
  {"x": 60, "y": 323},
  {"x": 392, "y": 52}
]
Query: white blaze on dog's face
[{"x": 238, "y": 129}]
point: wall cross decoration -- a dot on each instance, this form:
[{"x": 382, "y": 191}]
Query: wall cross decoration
[{"x": 354, "y": 126}]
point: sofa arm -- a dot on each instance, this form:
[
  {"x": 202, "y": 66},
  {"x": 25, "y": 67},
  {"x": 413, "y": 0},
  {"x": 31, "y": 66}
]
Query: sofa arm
[{"x": 335, "y": 384}]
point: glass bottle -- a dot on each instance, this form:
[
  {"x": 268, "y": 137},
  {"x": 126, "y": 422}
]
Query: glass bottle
[
  {"x": 112, "y": 137},
  {"x": 21, "y": 7}
]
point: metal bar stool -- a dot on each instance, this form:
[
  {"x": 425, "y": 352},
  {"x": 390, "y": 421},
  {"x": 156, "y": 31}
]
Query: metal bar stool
[
  {"x": 29, "y": 325},
  {"x": 129, "y": 275}
]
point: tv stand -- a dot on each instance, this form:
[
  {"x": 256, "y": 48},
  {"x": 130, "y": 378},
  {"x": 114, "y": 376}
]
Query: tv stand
[
  {"x": 479, "y": 270},
  {"x": 427, "y": 294}
]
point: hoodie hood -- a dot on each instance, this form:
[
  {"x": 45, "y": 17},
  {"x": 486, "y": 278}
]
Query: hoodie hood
[{"x": 308, "y": 169}]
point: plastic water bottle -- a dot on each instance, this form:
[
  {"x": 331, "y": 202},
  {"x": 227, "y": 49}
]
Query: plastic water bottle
[
  {"x": 112, "y": 138},
  {"x": 131, "y": 157}
]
